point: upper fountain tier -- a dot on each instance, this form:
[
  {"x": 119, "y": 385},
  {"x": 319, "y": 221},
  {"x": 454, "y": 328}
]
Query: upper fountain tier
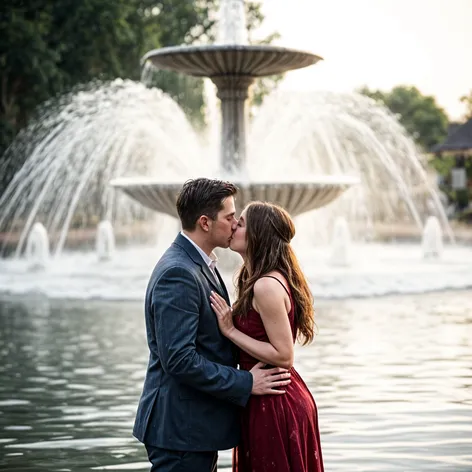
[
  {"x": 230, "y": 60},
  {"x": 233, "y": 68},
  {"x": 233, "y": 65}
]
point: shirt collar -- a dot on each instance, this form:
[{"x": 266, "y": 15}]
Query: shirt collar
[{"x": 207, "y": 259}]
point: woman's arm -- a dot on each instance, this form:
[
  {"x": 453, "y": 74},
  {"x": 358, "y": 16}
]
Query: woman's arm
[{"x": 269, "y": 301}]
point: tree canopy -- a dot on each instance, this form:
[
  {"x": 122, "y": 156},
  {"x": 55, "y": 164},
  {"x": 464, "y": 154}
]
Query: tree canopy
[
  {"x": 467, "y": 101},
  {"x": 47, "y": 48},
  {"x": 421, "y": 116}
]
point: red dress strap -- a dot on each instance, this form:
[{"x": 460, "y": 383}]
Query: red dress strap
[{"x": 278, "y": 280}]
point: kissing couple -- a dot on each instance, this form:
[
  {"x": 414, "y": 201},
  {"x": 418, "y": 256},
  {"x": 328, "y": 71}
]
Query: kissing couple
[{"x": 195, "y": 399}]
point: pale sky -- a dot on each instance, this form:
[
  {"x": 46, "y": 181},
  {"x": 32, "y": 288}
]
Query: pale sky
[{"x": 379, "y": 43}]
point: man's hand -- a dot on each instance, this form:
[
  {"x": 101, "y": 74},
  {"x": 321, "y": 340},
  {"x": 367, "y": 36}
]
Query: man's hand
[{"x": 266, "y": 381}]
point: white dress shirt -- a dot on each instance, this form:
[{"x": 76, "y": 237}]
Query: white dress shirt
[{"x": 210, "y": 260}]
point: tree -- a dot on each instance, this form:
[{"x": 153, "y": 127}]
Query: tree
[
  {"x": 424, "y": 120},
  {"x": 467, "y": 100},
  {"x": 47, "y": 48}
]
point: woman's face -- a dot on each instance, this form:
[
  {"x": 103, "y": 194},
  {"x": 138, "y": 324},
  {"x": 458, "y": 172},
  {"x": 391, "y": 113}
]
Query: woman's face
[{"x": 238, "y": 242}]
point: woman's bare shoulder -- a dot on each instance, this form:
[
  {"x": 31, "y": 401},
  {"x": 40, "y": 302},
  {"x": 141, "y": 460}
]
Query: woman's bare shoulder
[{"x": 267, "y": 286}]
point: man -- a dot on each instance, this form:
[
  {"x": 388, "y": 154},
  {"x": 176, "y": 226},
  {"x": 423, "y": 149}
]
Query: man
[{"x": 192, "y": 392}]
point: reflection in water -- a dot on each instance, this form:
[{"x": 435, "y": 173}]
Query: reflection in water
[{"x": 392, "y": 378}]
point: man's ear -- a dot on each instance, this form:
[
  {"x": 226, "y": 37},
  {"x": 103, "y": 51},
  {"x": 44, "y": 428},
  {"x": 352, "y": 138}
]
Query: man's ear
[{"x": 204, "y": 223}]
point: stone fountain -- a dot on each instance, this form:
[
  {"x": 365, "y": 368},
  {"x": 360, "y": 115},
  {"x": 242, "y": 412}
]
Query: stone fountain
[
  {"x": 233, "y": 65},
  {"x": 301, "y": 146}
]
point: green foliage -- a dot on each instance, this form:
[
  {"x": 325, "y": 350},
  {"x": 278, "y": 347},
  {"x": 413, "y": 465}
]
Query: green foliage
[
  {"x": 443, "y": 164},
  {"x": 465, "y": 216},
  {"x": 467, "y": 101},
  {"x": 48, "y": 47},
  {"x": 424, "y": 120}
]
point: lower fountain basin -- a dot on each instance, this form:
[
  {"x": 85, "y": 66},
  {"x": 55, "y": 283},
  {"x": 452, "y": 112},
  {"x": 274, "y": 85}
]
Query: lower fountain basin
[{"x": 296, "y": 197}]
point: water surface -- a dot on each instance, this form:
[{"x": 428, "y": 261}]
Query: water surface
[{"x": 392, "y": 378}]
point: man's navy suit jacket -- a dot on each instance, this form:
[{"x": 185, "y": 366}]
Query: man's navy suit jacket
[{"x": 193, "y": 392}]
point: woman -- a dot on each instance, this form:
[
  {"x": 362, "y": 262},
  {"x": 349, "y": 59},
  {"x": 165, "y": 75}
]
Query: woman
[{"x": 274, "y": 307}]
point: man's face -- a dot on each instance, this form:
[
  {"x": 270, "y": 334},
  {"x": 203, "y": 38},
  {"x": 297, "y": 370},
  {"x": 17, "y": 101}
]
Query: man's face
[
  {"x": 238, "y": 241},
  {"x": 221, "y": 229}
]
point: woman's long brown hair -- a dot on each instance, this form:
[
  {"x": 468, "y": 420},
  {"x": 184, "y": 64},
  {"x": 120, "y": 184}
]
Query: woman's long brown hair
[{"x": 269, "y": 230}]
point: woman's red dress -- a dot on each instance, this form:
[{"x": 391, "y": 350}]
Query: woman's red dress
[{"x": 279, "y": 433}]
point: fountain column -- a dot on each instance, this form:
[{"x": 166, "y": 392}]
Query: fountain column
[{"x": 233, "y": 93}]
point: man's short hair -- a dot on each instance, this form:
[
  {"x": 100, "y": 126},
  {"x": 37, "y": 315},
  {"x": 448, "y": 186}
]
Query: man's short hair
[{"x": 202, "y": 197}]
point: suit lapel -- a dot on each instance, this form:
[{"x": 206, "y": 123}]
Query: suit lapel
[
  {"x": 211, "y": 278},
  {"x": 185, "y": 244}
]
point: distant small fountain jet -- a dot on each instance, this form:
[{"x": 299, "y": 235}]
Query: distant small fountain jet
[{"x": 37, "y": 247}]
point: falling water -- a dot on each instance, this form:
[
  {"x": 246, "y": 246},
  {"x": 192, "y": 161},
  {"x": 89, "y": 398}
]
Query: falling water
[
  {"x": 37, "y": 247},
  {"x": 77, "y": 145},
  {"x": 123, "y": 129},
  {"x": 296, "y": 135},
  {"x": 341, "y": 243},
  {"x": 105, "y": 242}
]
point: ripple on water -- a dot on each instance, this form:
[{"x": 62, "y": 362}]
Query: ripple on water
[{"x": 391, "y": 377}]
